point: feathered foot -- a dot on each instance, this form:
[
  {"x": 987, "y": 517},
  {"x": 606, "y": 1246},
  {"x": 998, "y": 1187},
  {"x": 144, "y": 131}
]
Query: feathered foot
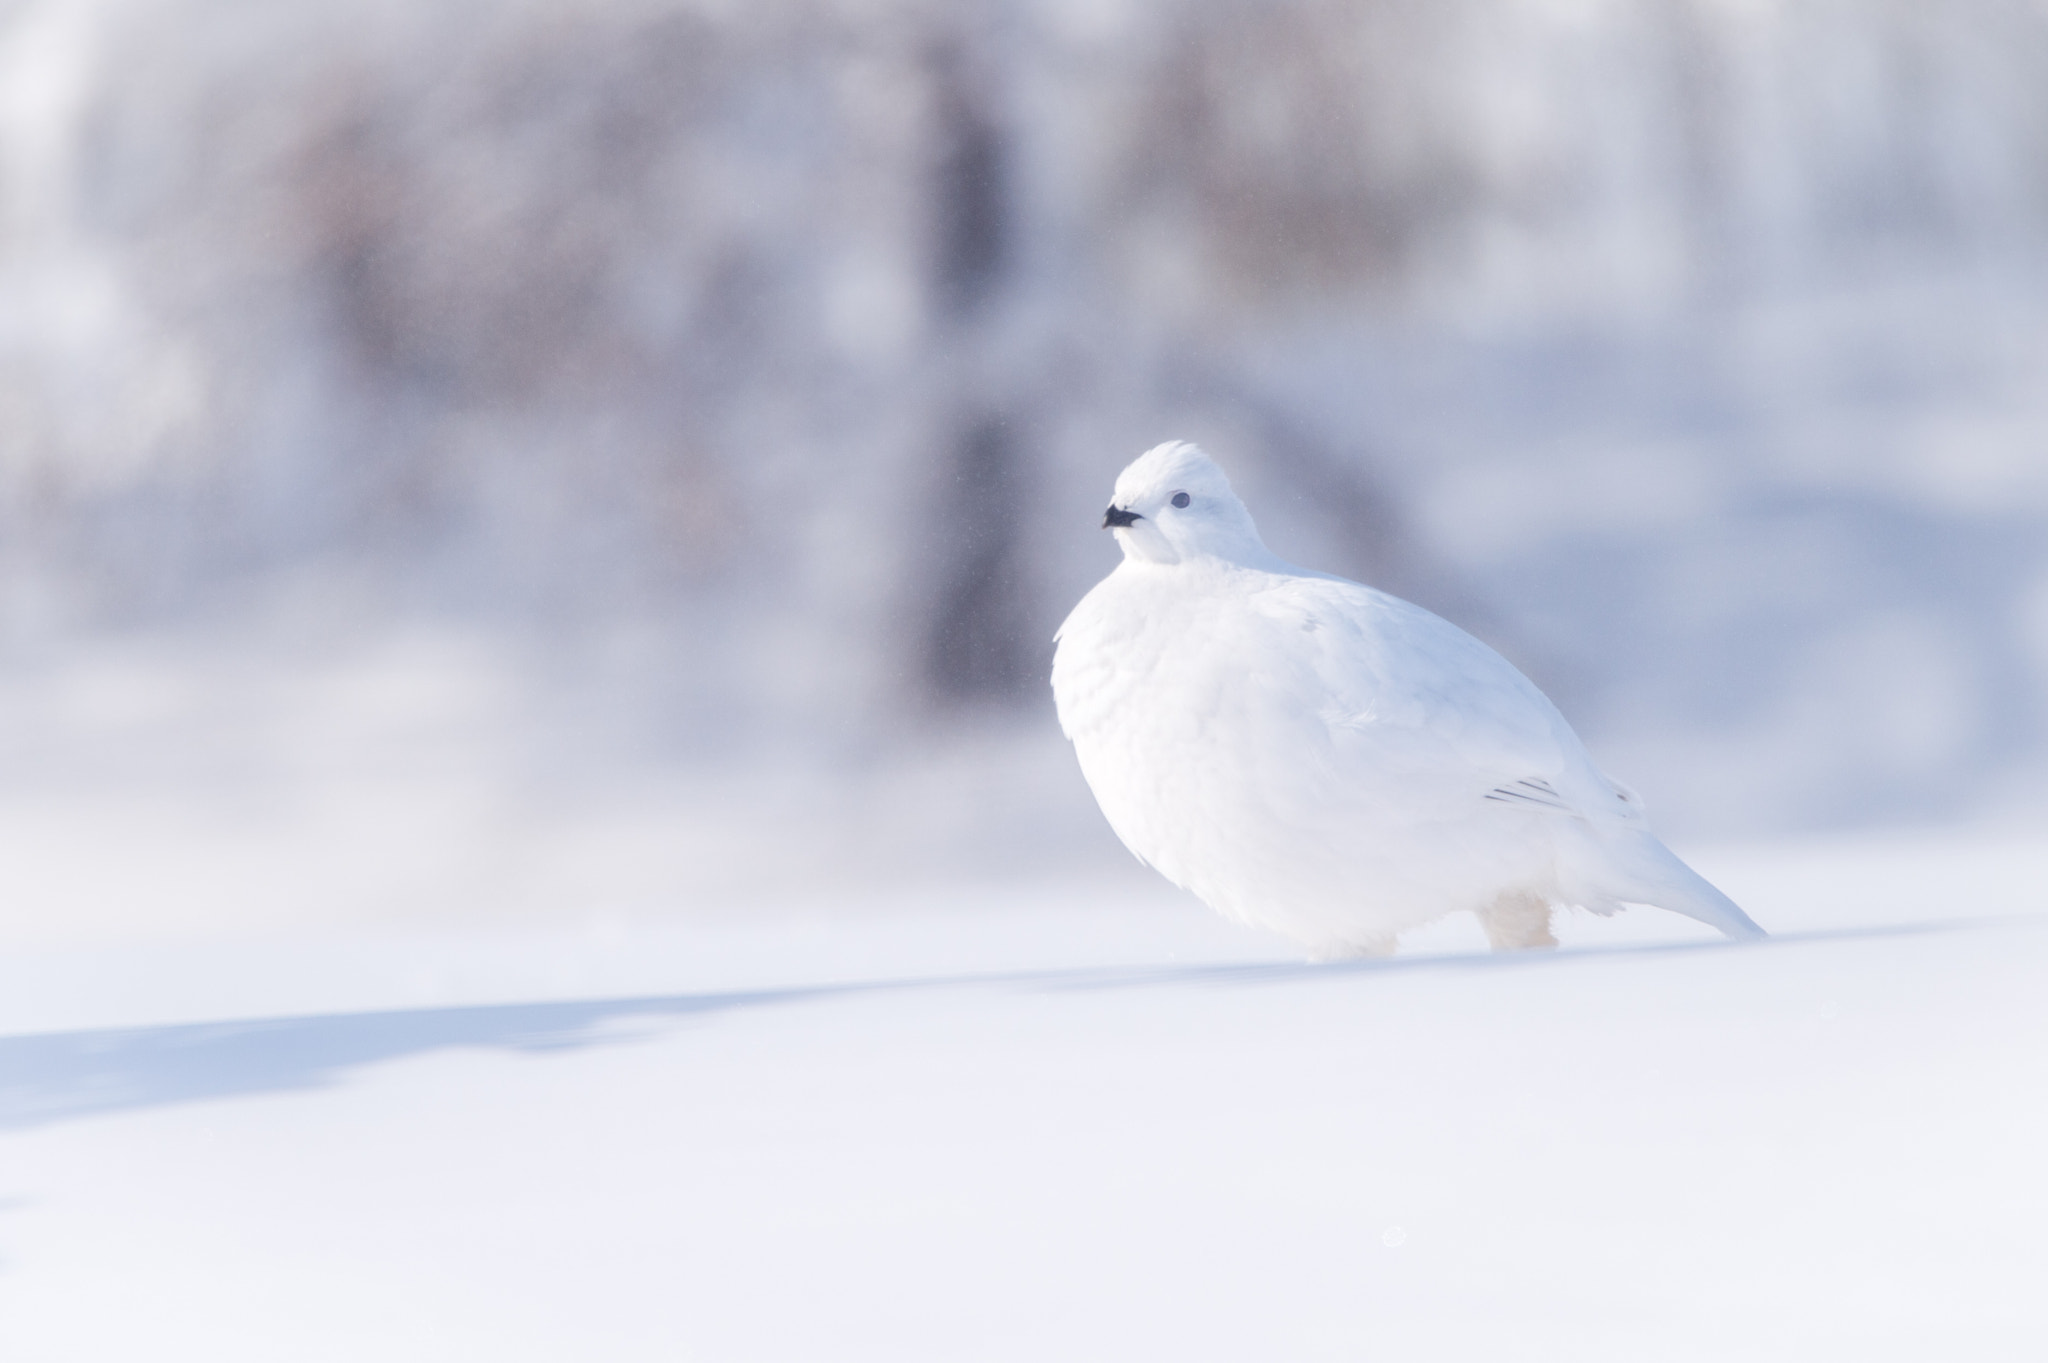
[{"x": 1518, "y": 921}]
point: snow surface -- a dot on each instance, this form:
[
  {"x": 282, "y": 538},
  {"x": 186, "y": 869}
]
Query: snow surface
[{"x": 1049, "y": 1120}]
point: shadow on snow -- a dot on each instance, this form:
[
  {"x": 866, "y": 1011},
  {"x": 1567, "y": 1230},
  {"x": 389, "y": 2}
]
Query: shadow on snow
[{"x": 64, "y": 1075}]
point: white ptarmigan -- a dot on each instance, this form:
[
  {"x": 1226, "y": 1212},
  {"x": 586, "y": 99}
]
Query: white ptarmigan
[{"x": 1312, "y": 756}]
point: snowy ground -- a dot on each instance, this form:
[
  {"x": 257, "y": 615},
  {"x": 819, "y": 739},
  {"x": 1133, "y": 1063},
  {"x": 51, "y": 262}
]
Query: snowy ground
[
  {"x": 1049, "y": 1120},
  {"x": 369, "y": 1009}
]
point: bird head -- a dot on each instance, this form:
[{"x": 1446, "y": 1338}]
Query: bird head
[{"x": 1173, "y": 503}]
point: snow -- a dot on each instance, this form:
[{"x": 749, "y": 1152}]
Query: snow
[
  {"x": 374, "y": 1002},
  {"x": 1044, "y": 1119}
]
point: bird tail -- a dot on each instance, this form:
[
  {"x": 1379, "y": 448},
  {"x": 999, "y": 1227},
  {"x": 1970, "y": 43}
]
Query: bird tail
[{"x": 1653, "y": 874}]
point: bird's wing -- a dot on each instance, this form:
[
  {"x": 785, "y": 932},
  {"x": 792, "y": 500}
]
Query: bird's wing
[{"x": 1414, "y": 689}]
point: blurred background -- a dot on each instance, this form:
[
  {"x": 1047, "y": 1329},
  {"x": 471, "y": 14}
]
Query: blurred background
[{"x": 533, "y": 462}]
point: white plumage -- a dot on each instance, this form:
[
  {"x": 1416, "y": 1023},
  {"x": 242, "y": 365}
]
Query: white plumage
[{"x": 1312, "y": 756}]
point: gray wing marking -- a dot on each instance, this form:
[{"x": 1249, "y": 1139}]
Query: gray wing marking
[{"x": 1534, "y": 791}]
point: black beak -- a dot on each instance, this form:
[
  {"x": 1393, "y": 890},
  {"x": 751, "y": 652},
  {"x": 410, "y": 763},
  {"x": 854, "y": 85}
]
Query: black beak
[{"x": 1117, "y": 516}]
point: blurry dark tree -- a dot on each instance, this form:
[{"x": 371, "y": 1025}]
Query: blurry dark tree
[{"x": 814, "y": 331}]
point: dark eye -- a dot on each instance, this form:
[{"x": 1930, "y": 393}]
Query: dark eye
[{"x": 1180, "y": 499}]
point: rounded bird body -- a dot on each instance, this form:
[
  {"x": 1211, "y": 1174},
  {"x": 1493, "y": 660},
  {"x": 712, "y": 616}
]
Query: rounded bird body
[{"x": 1313, "y": 756}]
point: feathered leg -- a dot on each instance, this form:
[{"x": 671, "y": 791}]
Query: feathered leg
[{"x": 1517, "y": 921}]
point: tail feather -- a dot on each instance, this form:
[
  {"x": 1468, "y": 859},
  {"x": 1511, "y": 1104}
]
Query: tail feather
[
  {"x": 1651, "y": 873},
  {"x": 1696, "y": 897}
]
